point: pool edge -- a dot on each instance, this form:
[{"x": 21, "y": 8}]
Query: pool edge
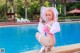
[{"x": 73, "y": 48}]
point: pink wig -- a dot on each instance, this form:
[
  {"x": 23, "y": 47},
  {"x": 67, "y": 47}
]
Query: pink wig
[{"x": 44, "y": 9}]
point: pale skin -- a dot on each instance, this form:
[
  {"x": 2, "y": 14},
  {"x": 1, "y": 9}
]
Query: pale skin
[{"x": 48, "y": 40}]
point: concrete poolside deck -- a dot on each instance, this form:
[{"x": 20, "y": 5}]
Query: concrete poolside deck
[
  {"x": 12, "y": 23},
  {"x": 18, "y": 23},
  {"x": 74, "y": 48}
]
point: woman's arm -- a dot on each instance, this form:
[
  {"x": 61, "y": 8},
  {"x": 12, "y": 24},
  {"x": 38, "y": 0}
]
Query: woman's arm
[
  {"x": 55, "y": 27},
  {"x": 40, "y": 26}
]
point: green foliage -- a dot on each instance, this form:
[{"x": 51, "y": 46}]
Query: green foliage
[
  {"x": 33, "y": 8},
  {"x": 76, "y": 6},
  {"x": 70, "y": 17},
  {"x": 58, "y": 8},
  {"x": 71, "y": 6},
  {"x": 46, "y": 4},
  {"x": 19, "y": 8},
  {"x": 2, "y": 10}
]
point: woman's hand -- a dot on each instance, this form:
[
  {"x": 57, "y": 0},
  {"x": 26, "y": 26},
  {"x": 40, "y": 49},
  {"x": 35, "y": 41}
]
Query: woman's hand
[{"x": 40, "y": 19}]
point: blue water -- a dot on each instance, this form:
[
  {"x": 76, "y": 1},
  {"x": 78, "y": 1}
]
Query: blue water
[{"x": 18, "y": 39}]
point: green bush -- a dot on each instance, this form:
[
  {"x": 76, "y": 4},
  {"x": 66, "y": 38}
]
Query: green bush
[{"x": 70, "y": 17}]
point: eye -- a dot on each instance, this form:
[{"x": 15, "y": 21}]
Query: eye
[{"x": 48, "y": 15}]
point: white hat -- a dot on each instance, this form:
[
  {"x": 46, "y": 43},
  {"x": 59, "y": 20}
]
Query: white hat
[{"x": 44, "y": 9}]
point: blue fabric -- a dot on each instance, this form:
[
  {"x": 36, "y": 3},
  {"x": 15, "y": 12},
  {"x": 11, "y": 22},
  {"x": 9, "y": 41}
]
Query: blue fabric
[{"x": 45, "y": 34}]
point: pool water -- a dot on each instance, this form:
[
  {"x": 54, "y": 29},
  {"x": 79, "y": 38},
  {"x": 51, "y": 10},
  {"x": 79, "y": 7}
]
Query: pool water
[{"x": 17, "y": 39}]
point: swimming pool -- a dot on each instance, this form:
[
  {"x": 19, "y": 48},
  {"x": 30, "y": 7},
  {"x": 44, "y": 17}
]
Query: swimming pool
[{"x": 16, "y": 39}]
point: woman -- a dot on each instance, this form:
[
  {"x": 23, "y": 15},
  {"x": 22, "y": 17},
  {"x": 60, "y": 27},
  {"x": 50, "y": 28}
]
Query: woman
[{"x": 47, "y": 28}]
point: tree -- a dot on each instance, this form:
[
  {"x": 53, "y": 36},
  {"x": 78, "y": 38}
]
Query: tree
[
  {"x": 12, "y": 5},
  {"x": 20, "y": 8},
  {"x": 40, "y": 2},
  {"x": 26, "y": 9},
  {"x": 73, "y": 5},
  {"x": 64, "y": 2}
]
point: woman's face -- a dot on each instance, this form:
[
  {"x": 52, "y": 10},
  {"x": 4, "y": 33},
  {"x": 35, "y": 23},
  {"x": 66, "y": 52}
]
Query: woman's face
[{"x": 49, "y": 15}]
